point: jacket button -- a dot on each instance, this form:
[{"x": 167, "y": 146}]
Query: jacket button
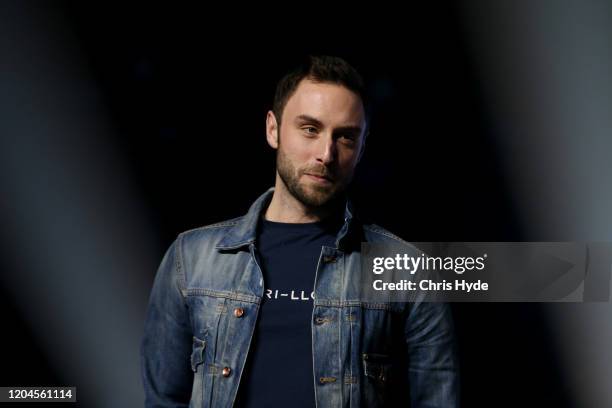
[
  {"x": 329, "y": 259},
  {"x": 238, "y": 312},
  {"x": 226, "y": 371}
]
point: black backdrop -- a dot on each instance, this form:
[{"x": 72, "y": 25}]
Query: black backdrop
[{"x": 188, "y": 90}]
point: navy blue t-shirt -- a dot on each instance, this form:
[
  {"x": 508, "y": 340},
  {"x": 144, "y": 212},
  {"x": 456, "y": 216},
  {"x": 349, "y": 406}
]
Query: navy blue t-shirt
[{"x": 278, "y": 370}]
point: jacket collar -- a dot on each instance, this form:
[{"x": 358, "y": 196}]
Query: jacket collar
[{"x": 244, "y": 232}]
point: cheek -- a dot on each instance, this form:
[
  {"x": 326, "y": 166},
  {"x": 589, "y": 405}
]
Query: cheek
[
  {"x": 299, "y": 151},
  {"x": 296, "y": 155},
  {"x": 348, "y": 161}
]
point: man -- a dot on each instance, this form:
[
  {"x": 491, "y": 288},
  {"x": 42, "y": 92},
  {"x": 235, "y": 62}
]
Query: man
[{"x": 281, "y": 285}]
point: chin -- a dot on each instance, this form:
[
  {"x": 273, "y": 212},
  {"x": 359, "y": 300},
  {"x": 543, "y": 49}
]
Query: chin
[{"x": 316, "y": 196}]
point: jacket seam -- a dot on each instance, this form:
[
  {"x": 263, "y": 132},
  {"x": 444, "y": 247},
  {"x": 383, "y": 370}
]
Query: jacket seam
[
  {"x": 178, "y": 262},
  {"x": 354, "y": 303},
  {"x": 222, "y": 295},
  {"x": 229, "y": 223},
  {"x": 381, "y": 231}
]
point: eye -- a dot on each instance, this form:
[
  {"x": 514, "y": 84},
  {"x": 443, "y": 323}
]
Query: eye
[
  {"x": 348, "y": 139},
  {"x": 310, "y": 130}
]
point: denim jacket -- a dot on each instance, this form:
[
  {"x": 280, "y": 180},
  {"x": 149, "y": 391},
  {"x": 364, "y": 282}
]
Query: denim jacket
[{"x": 203, "y": 310}]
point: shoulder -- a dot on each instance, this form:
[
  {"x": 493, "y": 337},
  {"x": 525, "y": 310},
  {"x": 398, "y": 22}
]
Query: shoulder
[
  {"x": 375, "y": 234},
  {"x": 206, "y": 230},
  {"x": 205, "y": 238}
]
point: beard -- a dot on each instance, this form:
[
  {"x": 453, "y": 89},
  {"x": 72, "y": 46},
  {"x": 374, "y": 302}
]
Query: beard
[{"x": 310, "y": 194}]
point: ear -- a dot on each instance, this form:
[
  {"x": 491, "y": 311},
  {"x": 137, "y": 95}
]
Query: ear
[{"x": 272, "y": 130}]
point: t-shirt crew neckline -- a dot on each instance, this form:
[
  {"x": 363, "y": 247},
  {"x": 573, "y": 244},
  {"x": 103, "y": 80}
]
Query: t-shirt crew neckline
[{"x": 328, "y": 225}]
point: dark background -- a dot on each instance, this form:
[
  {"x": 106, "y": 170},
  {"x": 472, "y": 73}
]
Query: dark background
[{"x": 181, "y": 94}]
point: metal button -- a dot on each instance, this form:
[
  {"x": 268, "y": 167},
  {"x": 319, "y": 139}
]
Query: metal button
[
  {"x": 329, "y": 259},
  {"x": 238, "y": 312},
  {"x": 319, "y": 320},
  {"x": 226, "y": 371}
]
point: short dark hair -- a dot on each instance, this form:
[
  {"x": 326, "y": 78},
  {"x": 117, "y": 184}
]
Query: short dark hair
[{"x": 323, "y": 69}]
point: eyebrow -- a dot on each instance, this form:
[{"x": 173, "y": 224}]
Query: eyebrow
[
  {"x": 308, "y": 119},
  {"x": 317, "y": 122}
]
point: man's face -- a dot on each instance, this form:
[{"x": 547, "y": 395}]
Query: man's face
[{"x": 319, "y": 142}]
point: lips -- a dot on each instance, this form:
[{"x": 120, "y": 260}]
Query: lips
[{"x": 320, "y": 177}]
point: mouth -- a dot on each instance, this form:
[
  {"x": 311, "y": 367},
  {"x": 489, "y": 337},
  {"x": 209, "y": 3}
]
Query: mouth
[{"x": 320, "y": 178}]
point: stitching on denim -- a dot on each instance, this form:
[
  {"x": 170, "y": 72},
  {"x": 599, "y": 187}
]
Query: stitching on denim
[
  {"x": 227, "y": 223},
  {"x": 178, "y": 263},
  {"x": 350, "y": 380},
  {"x": 379, "y": 230},
  {"x": 256, "y": 311},
  {"x": 349, "y": 303},
  {"x": 224, "y": 295},
  {"x": 312, "y": 331}
]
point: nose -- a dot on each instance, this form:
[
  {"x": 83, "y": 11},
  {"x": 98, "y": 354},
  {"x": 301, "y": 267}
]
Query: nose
[{"x": 327, "y": 151}]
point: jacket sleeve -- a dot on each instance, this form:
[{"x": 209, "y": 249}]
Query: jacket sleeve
[
  {"x": 166, "y": 344},
  {"x": 433, "y": 371}
]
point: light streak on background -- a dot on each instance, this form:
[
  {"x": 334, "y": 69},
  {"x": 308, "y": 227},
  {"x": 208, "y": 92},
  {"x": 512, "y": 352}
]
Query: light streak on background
[
  {"x": 77, "y": 234},
  {"x": 546, "y": 68}
]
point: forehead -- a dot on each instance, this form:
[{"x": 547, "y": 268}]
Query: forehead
[{"x": 325, "y": 101}]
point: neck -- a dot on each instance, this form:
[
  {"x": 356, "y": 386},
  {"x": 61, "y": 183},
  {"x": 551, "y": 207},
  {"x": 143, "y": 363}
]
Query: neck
[{"x": 284, "y": 207}]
